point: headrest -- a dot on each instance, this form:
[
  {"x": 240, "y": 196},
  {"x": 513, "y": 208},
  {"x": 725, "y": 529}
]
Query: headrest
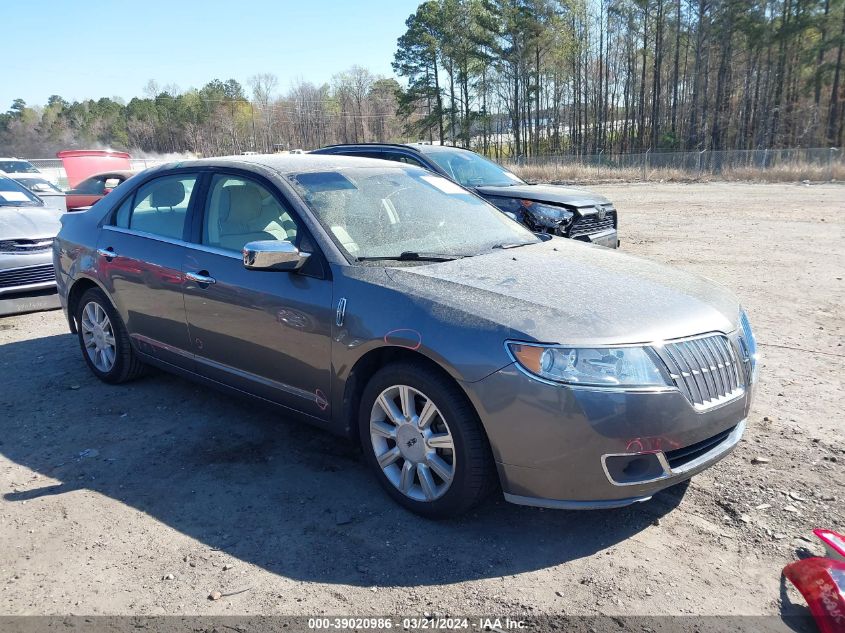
[
  {"x": 169, "y": 193},
  {"x": 240, "y": 204}
]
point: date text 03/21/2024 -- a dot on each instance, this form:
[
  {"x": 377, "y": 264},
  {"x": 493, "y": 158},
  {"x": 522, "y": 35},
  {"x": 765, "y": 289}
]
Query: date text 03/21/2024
[{"x": 425, "y": 623}]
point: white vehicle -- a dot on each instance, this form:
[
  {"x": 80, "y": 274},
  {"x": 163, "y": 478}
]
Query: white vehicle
[
  {"x": 17, "y": 166},
  {"x": 53, "y": 197}
]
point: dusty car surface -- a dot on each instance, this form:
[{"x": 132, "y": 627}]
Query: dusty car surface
[
  {"x": 553, "y": 209},
  {"x": 27, "y": 229},
  {"x": 387, "y": 304}
]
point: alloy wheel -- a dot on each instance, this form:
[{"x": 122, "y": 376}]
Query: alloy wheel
[
  {"x": 412, "y": 443},
  {"x": 98, "y": 336}
]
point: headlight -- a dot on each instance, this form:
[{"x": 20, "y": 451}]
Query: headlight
[
  {"x": 750, "y": 344},
  {"x": 548, "y": 215},
  {"x": 596, "y": 367}
]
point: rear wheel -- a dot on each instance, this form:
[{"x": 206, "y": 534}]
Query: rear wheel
[
  {"x": 424, "y": 441},
  {"x": 104, "y": 340}
]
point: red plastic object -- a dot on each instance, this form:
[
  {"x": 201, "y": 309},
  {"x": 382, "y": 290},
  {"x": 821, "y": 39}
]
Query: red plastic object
[
  {"x": 834, "y": 542},
  {"x": 822, "y": 583},
  {"x": 81, "y": 163}
]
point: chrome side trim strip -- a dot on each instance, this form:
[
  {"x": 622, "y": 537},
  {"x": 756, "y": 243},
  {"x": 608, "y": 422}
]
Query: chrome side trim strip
[
  {"x": 164, "y": 346},
  {"x": 214, "y": 250},
  {"x": 267, "y": 382}
]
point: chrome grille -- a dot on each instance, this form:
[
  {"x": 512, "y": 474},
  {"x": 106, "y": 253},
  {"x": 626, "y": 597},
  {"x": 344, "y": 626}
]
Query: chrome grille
[
  {"x": 705, "y": 369},
  {"x": 27, "y": 276},
  {"x": 26, "y": 245},
  {"x": 589, "y": 224}
]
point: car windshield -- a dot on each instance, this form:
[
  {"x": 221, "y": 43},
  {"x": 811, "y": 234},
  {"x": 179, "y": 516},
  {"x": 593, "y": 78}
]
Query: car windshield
[
  {"x": 13, "y": 194},
  {"x": 389, "y": 212},
  {"x": 39, "y": 185},
  {"x": 17, "y": 167},
  {"x": 472, "y": 170}
]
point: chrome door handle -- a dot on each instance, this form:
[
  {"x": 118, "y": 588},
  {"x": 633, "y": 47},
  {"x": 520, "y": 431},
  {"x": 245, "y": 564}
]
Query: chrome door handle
[
  {"x": 200, "y": 279},
  {"x": 108, "y": 253}
]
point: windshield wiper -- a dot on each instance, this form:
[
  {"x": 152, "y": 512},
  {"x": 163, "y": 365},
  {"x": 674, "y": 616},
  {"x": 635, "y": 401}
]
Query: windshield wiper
[
  {"x": 411, "y": 256},
  {"x": 513, "y": 245}
]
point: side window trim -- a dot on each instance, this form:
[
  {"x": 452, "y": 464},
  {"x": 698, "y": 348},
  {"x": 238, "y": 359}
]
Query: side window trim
[
  {"x": 200, "y": 204},
  {"x": 110, "y": 219},
  {"x": 271, "y": 188}
]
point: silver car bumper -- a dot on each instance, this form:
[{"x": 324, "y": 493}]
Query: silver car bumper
[
  {"x": 574, "y": 448},
  {"x": 608, "y": 238},
  {"x": 35, "y": 275},
  {"x": 668, "y": 476}
]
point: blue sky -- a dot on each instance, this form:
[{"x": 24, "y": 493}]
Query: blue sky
[{"x": 96, "y": 48}]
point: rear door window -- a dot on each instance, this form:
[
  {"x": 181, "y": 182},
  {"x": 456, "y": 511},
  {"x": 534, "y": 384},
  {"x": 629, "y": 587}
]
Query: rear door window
[{"x": 158, "y": 207}]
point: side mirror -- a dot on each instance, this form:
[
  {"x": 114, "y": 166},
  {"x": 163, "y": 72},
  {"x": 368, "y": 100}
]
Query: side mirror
[{"x": 273, "y": 255}]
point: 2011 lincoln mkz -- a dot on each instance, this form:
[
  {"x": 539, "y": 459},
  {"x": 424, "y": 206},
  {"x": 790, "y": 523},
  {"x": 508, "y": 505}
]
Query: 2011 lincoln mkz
[{"x": 389, "y": 305}]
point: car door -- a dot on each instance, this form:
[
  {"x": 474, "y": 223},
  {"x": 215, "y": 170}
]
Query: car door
[
  {"x": 264, "y": 332},
  {"x": 141, "y": 250}
]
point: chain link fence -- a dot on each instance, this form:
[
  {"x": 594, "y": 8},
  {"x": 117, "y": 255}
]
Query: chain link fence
[
  {"x": 816, "y": 164},
  {"x": 765, "y": 164}
]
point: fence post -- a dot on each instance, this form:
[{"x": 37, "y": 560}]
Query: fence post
[
  {"x": 765, "y": 159},
  {"x": 645, "y": 163},
  {"x": 598, "y": 163},
  {"x": 830, "y": 162},
  {"x": 700, "y": 154}
]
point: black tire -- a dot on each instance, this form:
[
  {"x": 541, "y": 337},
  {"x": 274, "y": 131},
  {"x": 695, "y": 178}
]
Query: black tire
[
  {"x": 474, "y": 476},
  {"x": 126, "y": 365}
]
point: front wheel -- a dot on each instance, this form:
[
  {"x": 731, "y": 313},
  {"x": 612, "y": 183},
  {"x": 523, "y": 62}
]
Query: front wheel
[
  {"x": 104, "y": 340},
  {"x": 424, "y": 441}
]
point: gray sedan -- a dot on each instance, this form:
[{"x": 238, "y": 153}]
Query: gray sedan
[{"x": 391, "y": 306}]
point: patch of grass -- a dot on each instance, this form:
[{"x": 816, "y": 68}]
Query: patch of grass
[{"x": 573, "y": 172}]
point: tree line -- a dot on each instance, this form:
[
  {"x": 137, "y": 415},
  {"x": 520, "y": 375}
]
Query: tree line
[
  {"x": 528, "y": 77},
  {"x": 512, "y": 78},
  {"x": 222, "y": 117}
]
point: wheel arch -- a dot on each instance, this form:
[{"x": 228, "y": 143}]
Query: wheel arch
[
  {"x": 79, "y": 287},
  {"x": 364, "y": 369}
]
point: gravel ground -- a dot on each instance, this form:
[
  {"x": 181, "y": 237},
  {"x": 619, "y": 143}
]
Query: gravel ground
[{"x": 145, "y": 498}]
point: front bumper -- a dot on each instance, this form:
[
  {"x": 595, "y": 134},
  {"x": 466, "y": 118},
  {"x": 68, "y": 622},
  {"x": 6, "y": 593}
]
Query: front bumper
[
  {"x": 26, "y": 272},
  {"x": 608, "y": 238},
  {"x": 552, "y": 443},
  {"x": 29, "y": 302}
]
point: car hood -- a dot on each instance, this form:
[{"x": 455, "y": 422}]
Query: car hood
[
  {"x": 28, "y": 222},
  {"x": 546, "y": 193},
  {"x": 569, "y": 292}
]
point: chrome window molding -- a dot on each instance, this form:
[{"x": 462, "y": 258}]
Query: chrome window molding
[{"x": 169, "y": 240}]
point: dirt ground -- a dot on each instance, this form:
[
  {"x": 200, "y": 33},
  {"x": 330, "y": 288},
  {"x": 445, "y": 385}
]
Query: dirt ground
[{"x": 144, "y": 498}]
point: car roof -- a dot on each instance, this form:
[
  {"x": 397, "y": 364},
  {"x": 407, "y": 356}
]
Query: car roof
[
  {"x": 289, "y": 163},
  {"x": 117, "y": 173}
]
